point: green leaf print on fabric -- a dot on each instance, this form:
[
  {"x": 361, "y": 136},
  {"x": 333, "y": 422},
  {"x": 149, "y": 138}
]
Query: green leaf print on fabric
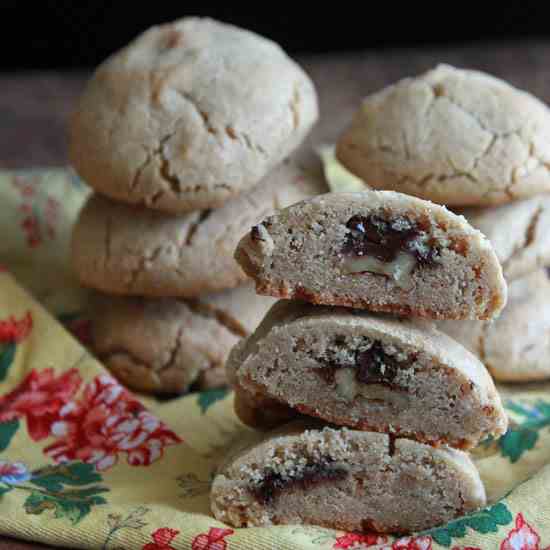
[
  {"x": 64, "y": 489},
  {"x": 486, "y": 521},
  {"x": 515, "y": 442},
  {"x": 7, "y": 355},
  {"x": 73, "y": 504},
  {"x": 7, "y": 431},
  {"x": 206, "y": 399},
  {"x": 522, "y": 436},
  {"x": 53, "y": 478}
]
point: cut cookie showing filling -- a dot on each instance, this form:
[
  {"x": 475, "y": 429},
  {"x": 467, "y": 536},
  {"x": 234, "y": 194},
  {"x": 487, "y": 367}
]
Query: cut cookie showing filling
[
  {"x": 344, "y": 479},
  {"x": 371, "y": 373},
  {"x": 378, "y": 250}
]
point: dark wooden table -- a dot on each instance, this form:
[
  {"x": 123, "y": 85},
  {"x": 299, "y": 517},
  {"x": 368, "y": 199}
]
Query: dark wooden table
[{"x": 34, "y": 108}]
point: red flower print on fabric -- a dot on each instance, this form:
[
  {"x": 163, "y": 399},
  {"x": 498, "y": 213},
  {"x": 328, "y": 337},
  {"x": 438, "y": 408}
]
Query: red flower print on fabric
[
  {"x": 355, "y": 540},
  {"x": 213, "y": 540},
  {"x": 522, "y": 537},
  {"x": 13, "y": 330},
  {"x": 162, "y": 538},
  {"x": 40, "y": 212},
  {"x": 105, "y": 421},
  {"x": 39, "y": 399},
  {"x": 13, "y": 473},
  {"x": 412, "y": 543},
  {"x": 31, "y": 227},
  {"x": 95, "y": 427}
]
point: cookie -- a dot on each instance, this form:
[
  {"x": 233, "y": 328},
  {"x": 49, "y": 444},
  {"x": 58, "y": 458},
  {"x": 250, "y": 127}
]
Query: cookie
[
  {"x": 515, "y": 347},
  {"x": 456, "y": 137},
  {"x": 519, "y": 233},
  {"x": 189, "y": 115},
  {"x": 164, "y": 345},
  {"x": 257, "y": 410},
  {"x": 378, "y": 250},
  {"x": 368, "y": 372},
  {"x": 344, "y": 479},
  {"x": 123, "y": 249}
]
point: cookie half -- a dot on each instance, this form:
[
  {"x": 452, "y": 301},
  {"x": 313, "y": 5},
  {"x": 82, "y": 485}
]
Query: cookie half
[
  {"x": 456, "y": 137},
  {"x": 519, "y": 233},
  {"x": 515, "y": 347},
  {"x": 122, "y": 249},
  {"x": 378, "y": 250},
  {"x": 164, "y": 345},
  {"x": 189, "y": 115},
  {"x": 367, "y": 372},
  {"x": 344, "y": 479}
]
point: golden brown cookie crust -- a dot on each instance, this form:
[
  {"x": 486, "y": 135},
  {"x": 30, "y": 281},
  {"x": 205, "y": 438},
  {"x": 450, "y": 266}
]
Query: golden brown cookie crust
[
  {"x": 452, "y": 136},
  {"x": 124, "y": 249},
  {"x": 189, "y": 115},
  {"x": 164, "y": 345}
]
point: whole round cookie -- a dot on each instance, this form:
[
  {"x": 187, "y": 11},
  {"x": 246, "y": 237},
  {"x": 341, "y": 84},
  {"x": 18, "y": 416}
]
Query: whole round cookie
[
  {"x": 189, "y": 115},
  {"x": 123, "y": 249},
  {"x": 352, "y": 368},
  {"x": 519, "y": 233},
  {"x": 376, "y": 250},
  {"x": 164, "y": 345},
  {"x": 516, "y": 346},
  {"x": 456, "y": 137},
  {"x": 306, "y": 473}
]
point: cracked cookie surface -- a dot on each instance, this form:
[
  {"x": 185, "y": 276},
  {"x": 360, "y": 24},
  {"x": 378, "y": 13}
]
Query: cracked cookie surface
[
  {"x": 377, "y": 250},
  {"x": 456, "y": 137},
  {"x": 305, "y": 473},
  {"x": 124, "y": 249},
  {"x": 516, "y": 346},
  {"x": 164, "y": 345},
  {"x": 519, "y": 233},
  {"x": 368, "y": 372},
  {"x": 190, "y": 114}
]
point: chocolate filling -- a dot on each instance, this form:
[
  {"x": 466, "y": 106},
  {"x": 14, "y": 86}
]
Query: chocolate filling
[
  {"x": 372, "y": 366},
  {"x": 374, "y": 236},
  {"x": 274, "y": 483}
]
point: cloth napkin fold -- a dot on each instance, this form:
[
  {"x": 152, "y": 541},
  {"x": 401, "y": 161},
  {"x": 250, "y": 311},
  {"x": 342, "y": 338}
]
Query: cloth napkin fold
[{"x": 85, "y": 463}]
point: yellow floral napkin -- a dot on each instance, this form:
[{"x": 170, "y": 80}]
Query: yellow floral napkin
[{"x": 85, "y": 463}]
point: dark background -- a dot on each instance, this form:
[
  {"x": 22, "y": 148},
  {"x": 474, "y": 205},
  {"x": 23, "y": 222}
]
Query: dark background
[{"x": 80, "y": 33}]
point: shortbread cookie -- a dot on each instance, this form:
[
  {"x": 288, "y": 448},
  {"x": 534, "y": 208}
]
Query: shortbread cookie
[
  {"x": 123, "y": 249},
  {"x": 455, "y": 137},
  {"x": 344, "y": 479},
  {"x": 519, "y": 233},
  {"x": 189, "y": 115},
  {"x": 368, "y": 372},
  {"x": 164, "y": 345},
  {"x": 378, "y": 250},
  {"x": 515, "y": 347}
]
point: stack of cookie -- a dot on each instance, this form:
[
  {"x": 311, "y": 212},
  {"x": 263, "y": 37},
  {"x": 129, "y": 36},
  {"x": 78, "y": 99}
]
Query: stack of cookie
[
  {"x": 402, "y": 400},
  {"x": 478, "y": 145},
  {"x": 457, "y": 138},
  {"x": 185, "y": 136}
]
